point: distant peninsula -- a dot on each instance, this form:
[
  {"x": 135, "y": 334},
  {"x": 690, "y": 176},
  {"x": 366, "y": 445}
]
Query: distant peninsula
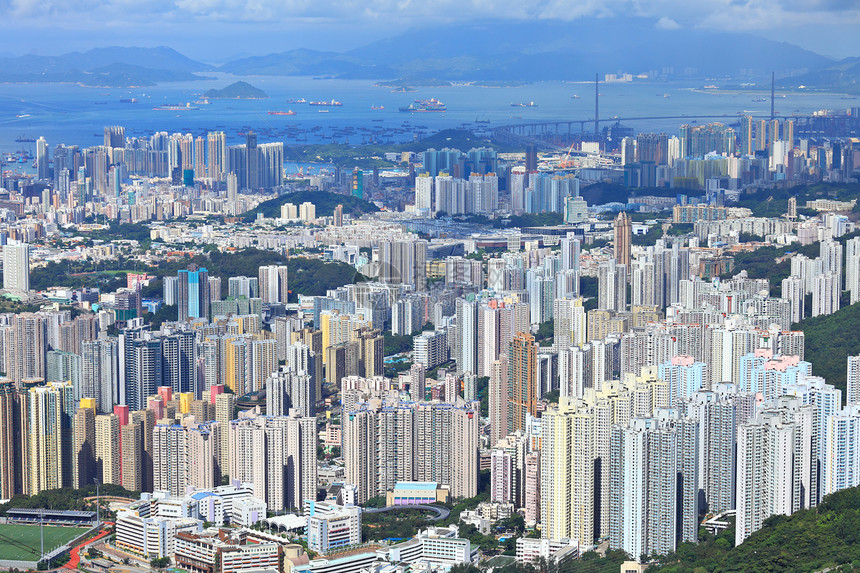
[{"x": 238, "y": 90}]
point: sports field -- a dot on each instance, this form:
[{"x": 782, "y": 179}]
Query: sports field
[{"x": 21, "y": 542}]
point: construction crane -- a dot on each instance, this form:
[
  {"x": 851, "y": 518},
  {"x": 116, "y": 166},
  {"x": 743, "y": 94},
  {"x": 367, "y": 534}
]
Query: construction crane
[{"x": 566, "y": 163}]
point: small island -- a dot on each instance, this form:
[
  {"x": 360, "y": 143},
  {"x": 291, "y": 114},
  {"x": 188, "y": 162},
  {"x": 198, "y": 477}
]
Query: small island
[{"x": 238, "y": 90}]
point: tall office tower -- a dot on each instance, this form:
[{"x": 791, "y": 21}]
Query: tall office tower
[
  {"x": 612, "y": 286},
  {"x": 84, "y": 445},
  {"x": 232, "y": 187},
  {"x": 43, "y": 167},
  {"x": 9, "y": 445},
  {"x": 114, "y": 136},
  {"x": 179, "y": 362},
  {"x": 423, "y": 194},
  {"x": 216, "y": 155},
  {"x": 27, "y": 347},
  {"x": 623, "y": 231},
  {"x": 794, "y": 291},
  {"x": 466, "y": 340},
  {"x": 568, "y": 506},
  {"x": 108, "y": 459},
  {"x": 132, "y": 456},
  {"x": 252, "y": 162},
  {"x": 16, "y": 267},
  {"x": 403, "y": 262},
  {"x": 273, "y": 284},
  {"x": 498, "y": 399},
  {"x": 193, "y": 293},
  {"x": 50, "y": 415},
  {"x": 100, "y": 373},
  {"x": 289, "y": 389},
  {"x": 769, "y": 449},
  {"x": 522, "y": 381},
  {"x": 649, "y": 512},
  {"x": 277, "y": 455},
  {"x": 852, "y": 268},
  {"x": 225, "y": 412},
  {"x": 825, "y": 294}
]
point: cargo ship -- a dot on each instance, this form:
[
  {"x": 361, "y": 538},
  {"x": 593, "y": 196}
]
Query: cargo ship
[
  {"x": 301, "y": 100},
  {"x": 333, "y": 103},
  {"x": 288, "y": 112},
  {"x": 178, "y": 107},
  {"x": 425, "y": 105}
]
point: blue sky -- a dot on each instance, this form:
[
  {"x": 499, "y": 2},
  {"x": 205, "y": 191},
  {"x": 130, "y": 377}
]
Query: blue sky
[{"x": 215, "y": 30}]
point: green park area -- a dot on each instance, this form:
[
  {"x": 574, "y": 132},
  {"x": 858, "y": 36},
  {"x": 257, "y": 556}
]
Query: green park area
[{"x": 22, "y": 542}]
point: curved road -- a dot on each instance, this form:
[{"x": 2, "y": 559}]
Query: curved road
[{"x": 441, "y": 512}]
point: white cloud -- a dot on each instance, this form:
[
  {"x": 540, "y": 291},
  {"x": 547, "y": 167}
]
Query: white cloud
[{"x": 666, "y": 23}]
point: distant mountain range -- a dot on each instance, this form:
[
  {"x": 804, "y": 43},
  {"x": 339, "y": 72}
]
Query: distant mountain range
[{"x": 492, "y": 51}]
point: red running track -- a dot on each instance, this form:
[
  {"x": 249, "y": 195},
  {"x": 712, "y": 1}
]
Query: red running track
[{"x": 76, "y": 551}]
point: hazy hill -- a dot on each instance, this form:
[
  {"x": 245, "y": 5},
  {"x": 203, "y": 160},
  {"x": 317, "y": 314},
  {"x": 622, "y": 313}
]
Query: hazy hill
[
  {"x": 237, "y": 90},
  {"x": 112, "y": 66},
  {"x": 500, "y": 50}
]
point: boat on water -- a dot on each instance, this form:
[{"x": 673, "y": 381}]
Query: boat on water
[
  {"x": 377, "y": 107},
  {"x": 759, "y": 99},
  {"x": 22, "y": 115},
  {"x": 322, "y": 111},
  {"x": 204, "y": 101},
  {"x": 301, "y": 100},
  {"x": 288, "y": 112},
  {"x": 425, "y": 106},
  {"x": 128, "y": 100},
  {"x": 176, "y": 107},
  {"x": 529, "y": 104},
  {"x": 574, "y": 96},
  {"x": 332, "y": 103}
]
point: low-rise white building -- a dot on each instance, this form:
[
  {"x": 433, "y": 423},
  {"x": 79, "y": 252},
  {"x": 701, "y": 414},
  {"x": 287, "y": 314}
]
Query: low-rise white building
[
  {"x": 331, "y": 526},
  {"x": 530, "y": 550},
  {"x": 433, "y": 546}
]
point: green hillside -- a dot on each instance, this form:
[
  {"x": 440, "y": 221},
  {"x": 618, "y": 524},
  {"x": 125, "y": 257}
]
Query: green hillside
[
  {"x": 325, "y": 203},
  {"x": 830, "y": 340},
  {"x": 820, "y": 539}
]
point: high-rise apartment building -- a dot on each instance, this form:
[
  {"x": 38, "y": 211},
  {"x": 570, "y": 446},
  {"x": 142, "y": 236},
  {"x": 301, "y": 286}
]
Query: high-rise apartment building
[
  {"x": 193, "y": 293},
  {"x": 522, "y": 381},
  {"x": 273, "y": 284},
  {"x": 16, "y": 267}
]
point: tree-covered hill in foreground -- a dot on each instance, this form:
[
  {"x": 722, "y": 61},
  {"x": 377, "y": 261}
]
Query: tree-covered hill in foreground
[
  {"x": 823, "y": 538},
  {"x": 324, "y": 201}
]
